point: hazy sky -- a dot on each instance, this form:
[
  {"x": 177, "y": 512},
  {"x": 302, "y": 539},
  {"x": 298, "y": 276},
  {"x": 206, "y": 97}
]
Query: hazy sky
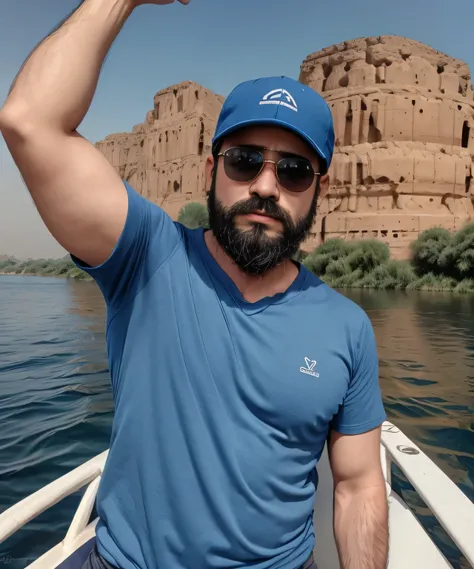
[{"x": 217, "y": 43}]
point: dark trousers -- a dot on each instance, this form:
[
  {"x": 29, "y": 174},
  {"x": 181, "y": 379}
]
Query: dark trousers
[{"x": 95, "y": 561}]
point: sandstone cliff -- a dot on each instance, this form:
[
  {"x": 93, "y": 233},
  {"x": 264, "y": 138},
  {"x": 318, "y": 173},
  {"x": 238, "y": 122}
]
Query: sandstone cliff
[
  {"x": 164, "y": 157},
  {"x": 404, "y": 117}
]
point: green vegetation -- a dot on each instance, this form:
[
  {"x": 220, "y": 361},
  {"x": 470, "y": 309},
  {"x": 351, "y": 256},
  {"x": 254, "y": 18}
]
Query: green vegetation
[
  {"x": 439, "y": 261},
  {"x": 43, "y": 267},
  {"x": 194, "y": 215}
]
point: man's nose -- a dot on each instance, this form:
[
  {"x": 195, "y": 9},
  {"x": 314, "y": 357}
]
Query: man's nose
[{"x": 265, "y": 184}]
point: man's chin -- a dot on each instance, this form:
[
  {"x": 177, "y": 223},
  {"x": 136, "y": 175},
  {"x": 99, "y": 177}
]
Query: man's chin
[{"x": 259, "y": 228}]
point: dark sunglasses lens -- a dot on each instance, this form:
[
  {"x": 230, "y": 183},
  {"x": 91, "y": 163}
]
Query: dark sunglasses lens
[
  {"x": 295, "y": 174},
  {"x": 242, "y": 165}
]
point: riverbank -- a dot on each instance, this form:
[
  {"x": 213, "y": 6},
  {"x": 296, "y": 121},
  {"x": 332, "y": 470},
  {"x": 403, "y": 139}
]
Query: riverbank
[
  {"x": 63, "y": 268},
  {"x": 56, "y": 397},
  {"x": 440, "y": 261}
]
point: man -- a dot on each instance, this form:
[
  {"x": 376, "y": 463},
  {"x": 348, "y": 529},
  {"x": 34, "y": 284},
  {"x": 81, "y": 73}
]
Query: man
[{"x": 231, "y": 364}]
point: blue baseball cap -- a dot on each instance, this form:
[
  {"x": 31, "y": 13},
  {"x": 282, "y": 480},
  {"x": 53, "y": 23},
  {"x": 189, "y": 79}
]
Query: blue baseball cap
[{"x": 283, "y": 102}]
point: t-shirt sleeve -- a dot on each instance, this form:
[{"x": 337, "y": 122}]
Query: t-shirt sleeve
[
  {"x": 148, "y": 239},
  {"x": 362, "y": 408}
]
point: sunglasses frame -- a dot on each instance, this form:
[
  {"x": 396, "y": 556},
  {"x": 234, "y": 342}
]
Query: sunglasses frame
[{"x": 260, "y": 150}]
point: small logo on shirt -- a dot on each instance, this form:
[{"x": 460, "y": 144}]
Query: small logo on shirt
[
  {"x": 280, "y": 97},
  {"x": 309, "y": 369}
]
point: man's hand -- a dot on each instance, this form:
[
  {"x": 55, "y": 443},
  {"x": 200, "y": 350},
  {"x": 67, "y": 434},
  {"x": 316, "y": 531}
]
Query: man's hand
[{"x": 360, "y": 500}]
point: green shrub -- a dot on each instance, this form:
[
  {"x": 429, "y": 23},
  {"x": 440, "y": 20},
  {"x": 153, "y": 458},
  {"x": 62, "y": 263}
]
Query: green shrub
[
  {"x": 457, "y": 259},
  {"x": 194, "y": 215},
  {"x": 427, "y": 250},
  {"x": 321, "y": 257}
]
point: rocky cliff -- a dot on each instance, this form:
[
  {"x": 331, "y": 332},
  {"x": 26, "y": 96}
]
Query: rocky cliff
[
  {"x": 404, "y": 118},
  {"x": 164, "y": 157}
]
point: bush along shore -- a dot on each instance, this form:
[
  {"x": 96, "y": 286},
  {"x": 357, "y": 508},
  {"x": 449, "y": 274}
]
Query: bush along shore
[
  {"x": 439, "y": 260},
  {"x": 44, "y": 268}
]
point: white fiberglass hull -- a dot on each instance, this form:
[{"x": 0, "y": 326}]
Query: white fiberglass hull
[{"x": 410, "y": 546}]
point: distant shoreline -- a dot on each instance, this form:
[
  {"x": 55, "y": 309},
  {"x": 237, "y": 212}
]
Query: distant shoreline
[{"x": 62, "y": 268}]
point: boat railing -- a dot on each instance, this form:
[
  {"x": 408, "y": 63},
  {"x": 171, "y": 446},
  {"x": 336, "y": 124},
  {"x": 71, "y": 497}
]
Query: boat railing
[
  {"x": 450, "y": 506},
  {"x": 87, "y": 474}
]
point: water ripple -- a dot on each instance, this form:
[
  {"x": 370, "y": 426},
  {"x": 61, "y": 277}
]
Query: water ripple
[{"x": 56, "y": 406}]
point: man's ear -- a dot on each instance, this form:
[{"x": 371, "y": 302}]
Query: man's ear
[
  {"x": 208, "y": 172},
  {"x": 323, "y": 186}
]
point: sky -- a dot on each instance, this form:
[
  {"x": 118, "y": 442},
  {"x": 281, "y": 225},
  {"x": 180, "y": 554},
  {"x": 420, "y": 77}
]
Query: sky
[{"x": 217, "y": 43}]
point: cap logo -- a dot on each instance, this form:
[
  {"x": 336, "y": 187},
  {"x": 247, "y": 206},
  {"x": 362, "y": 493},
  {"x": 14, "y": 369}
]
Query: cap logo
[{"x": 280, "y": 97}]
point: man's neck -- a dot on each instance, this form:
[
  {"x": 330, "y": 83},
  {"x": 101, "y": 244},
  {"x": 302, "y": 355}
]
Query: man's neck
[{"x": 252, "y": 288}]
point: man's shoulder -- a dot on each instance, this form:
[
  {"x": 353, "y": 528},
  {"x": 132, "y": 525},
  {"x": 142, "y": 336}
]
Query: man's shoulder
[{"x": 335, "y": 304}]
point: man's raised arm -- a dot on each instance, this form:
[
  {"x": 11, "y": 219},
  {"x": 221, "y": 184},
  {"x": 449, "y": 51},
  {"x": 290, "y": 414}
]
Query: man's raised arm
[{"x": 79, "y": 196}]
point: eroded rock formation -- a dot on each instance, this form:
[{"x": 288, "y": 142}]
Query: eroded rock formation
[
  {"x": 164, "y": 157},
  {"x": 404, "y": 121}
]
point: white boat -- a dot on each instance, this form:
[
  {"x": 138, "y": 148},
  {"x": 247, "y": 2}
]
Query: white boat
[{"x": 410, "y": 545}]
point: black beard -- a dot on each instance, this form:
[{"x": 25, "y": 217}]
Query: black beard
[{"x": 252, "y": 249}]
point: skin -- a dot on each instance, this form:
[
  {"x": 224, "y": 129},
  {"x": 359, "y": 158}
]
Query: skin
[
  {"x": 78, "y": 194},
  {"x": 267, "y": 187},
  {"x": 360, "y": 500},
  {"x": 83, "y": 203},
  {"x": 360, "y": 503}
]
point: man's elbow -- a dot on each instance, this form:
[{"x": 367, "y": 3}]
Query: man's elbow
[
  {"x": 16, "y": 120},
  {"x": 372, "y": 490}
]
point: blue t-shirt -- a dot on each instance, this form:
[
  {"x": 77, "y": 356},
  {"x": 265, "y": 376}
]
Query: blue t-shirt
[{"x": 222, "y": 407}]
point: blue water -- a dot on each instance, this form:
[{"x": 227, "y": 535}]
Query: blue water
[{"x": 56, "y": 406}]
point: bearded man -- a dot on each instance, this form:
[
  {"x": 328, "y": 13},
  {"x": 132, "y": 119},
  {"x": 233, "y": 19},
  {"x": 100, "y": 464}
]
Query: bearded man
[{"x": 231, "y": 364}]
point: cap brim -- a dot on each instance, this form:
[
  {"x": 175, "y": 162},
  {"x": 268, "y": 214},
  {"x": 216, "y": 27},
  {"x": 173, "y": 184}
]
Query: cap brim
[{"x": 276, "y": 122}]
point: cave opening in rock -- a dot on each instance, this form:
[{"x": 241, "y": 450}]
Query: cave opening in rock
[
  {"x": 348, "y": 129},
  {"x": 466, "y": 131},
  {"x": 374, "y": 132}
]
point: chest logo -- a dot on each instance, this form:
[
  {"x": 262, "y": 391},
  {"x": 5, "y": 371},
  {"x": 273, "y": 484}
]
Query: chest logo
[{"x": 309, "y": 369}]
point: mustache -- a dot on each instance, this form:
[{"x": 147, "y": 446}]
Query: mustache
[{"x": 267, "y": 206}]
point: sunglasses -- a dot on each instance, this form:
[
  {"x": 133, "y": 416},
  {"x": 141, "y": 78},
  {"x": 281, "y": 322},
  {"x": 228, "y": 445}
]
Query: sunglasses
[{"x": 244, "y": 164}]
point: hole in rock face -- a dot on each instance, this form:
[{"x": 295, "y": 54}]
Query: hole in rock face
[
  {"x": 402, "y": 179},
  {"x": 374, "y": 132},
  {"x": 347, "y": 67},
  {"x": 466, "y": 132},
  {"x": 440, "y": 69},
  {"x": 468, "y": 183},
  {"x": 344, "y": 81}
]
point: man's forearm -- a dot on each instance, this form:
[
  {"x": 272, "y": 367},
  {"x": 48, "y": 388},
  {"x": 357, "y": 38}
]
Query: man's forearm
[
  {"x": 361, "y": 529},
  {"x": 56, "y": 85}
]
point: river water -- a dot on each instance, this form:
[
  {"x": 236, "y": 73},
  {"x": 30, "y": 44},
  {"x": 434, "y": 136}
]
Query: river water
[{"x": 56, "y": 406}]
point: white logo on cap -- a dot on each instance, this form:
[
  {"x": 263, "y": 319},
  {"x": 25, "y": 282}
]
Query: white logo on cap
[{"x": 277, "y": 96}]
